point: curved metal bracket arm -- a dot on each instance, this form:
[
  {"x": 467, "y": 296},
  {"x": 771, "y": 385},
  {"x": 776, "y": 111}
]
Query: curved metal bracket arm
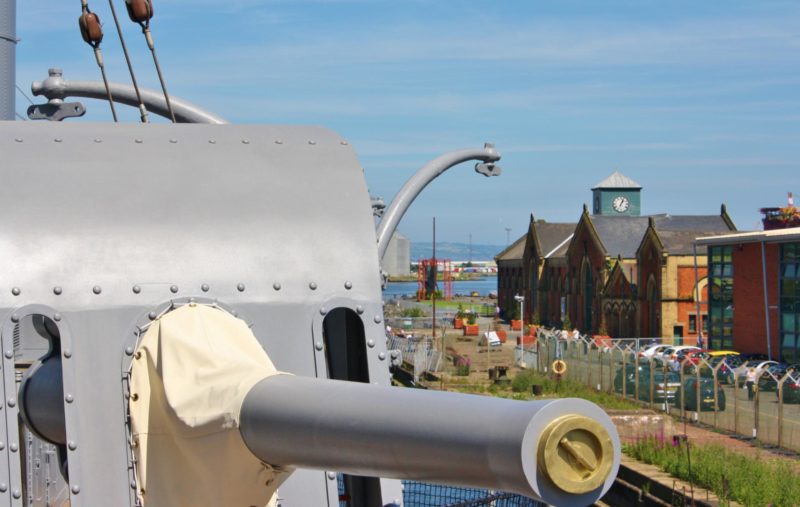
[
  {"x": 57, "y": 88},
  {"x": 429, "y": 172}
]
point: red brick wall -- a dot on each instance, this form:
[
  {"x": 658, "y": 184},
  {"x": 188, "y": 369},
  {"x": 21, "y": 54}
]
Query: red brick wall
[
  {"x": 686, "y": 290},
  {"x": 749, "y": 326},
  {"x": 649, "y": 261},
  {"x": 583, "y": 245}
]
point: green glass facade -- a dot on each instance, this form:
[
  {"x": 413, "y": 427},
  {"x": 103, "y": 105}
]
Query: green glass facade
[
  {"x": 720, "y": 304},
  {"x": 790, "y": 302}
]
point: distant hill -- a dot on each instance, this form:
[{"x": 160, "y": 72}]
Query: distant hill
[{"x": 454, "y": 251}]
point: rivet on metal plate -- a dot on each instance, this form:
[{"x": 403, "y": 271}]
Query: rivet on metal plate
[
  {"x": 136, "y": 289},
  {"x": 57, "y": 291},
  {"x": 16, "y": 291},
  {"x": 97, "y": 289},
  {"x": 370, "y": 343}
]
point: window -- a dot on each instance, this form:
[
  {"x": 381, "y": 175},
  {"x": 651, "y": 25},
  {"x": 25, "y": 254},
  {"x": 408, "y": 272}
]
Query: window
[
  {"x": 790, "y": 302},
  {"x": 720, "y": 291},
  {"x": 693, "y": 323}
]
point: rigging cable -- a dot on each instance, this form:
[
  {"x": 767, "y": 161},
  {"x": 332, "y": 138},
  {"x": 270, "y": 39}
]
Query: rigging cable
[
  {"x": 142, "y": 109},
  {"x": 141, "y": 12},
  {"x": 92, "y": 33},
  {"x": 24, "y": 94},
  {"x": 20, "y": 116}
]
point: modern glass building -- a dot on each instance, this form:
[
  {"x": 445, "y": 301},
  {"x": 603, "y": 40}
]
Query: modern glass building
[
  {"x": 720, "y": 295},
  {"x": 790, "y": 302},
  {"x": 743, "y": 316}
]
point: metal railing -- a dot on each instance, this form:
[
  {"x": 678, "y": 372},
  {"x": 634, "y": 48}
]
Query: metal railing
[
  {"x": 423, "y": 494},
  {"x": 716, "y": 392}
]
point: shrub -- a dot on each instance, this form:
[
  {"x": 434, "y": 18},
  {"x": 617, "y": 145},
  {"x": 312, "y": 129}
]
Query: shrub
[
  {"x": 463, "y": 365},
  {"x": 413, "y": 312},
  {"x": 472, "y": 318}
]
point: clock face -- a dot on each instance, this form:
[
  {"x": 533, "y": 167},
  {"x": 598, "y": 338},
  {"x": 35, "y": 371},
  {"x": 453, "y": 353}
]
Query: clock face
[{"x": 620, "y": 204}]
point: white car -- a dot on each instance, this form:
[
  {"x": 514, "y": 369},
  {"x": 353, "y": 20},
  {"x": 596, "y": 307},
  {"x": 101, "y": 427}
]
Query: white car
[
  {"x": 667, "y": 353},
  {"x": 652, "y": 350},
  {"x": 758, "y": 364}
]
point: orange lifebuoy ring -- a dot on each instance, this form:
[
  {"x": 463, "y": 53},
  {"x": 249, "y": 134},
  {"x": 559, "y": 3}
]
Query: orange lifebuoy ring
[{"x": 559, "y": 367}]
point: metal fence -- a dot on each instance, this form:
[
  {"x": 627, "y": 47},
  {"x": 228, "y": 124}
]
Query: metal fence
[
  {"x": 716, "y": 392},
  {"x": 418, "y": 352},
  {"x": 422, "y": 494}
]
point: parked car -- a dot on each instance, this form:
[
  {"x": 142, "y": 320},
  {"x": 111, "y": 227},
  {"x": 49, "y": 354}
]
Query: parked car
[
  {"x": 652, "y": 350},
  {"x": 725, "y": 373},
  {"x": 669, "y": 352},
  {"x": 768, "y": 380},
  {"x": 791, "y": 390},
  {"x": 689, "y": 401},
  {"x": 630, "y": 379},
  {"x": 758, "y": 364},
  {"x": 665, "y": 384}
]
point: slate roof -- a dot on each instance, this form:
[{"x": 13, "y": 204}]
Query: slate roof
[
  {"x": 551, "y": 235},
  {"x": 514, "y": 251},
  {"x": 621, "y": 235},
  {"x": 617, "y": 180},
  {"x": 680, "y": 242}
]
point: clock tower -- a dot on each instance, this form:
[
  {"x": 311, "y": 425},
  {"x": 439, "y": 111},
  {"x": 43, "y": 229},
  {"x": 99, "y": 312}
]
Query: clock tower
[{"x": 617, "y": 195}]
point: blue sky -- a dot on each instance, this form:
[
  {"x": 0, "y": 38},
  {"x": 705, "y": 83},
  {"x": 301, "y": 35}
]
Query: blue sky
[{"x": 697, "y": 101}]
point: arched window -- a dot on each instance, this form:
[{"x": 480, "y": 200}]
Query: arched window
[{"x": 588, "y": 294}]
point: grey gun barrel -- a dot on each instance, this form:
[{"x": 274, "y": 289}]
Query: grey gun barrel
[{"x": 562, "y": 451}]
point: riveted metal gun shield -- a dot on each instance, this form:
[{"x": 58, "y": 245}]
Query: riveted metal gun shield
[{"x": 109, "y": 228}]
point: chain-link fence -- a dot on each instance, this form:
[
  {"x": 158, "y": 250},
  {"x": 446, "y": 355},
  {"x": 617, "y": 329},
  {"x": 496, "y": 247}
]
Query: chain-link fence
[{"x": 756, "y": 399}]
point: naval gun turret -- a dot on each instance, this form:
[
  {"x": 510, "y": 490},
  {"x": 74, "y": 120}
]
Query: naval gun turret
[{"x": 195, "y": 315}]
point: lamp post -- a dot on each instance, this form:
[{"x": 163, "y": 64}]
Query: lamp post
[{"x": 521, "y": 301}]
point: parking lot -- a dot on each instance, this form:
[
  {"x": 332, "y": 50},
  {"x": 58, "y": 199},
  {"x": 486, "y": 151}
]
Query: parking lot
[{"x": 619, "y": 367}]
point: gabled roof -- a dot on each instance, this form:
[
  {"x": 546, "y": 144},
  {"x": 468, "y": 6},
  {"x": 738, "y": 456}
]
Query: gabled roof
[
  {"x": 681, "y": 242},
  {"x": 622, "y": 235},
  {"x": 514, "y": 251},
  {"x": 553, "y": 236},
  {"x": 617, "y": 180}
]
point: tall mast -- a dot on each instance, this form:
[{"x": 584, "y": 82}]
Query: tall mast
[{"x": 8, "y": 48}]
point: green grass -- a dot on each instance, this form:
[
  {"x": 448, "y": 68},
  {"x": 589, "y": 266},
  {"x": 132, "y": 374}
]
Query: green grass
[
  {"x": 566, "y": 388},
  {"x": 749, "y": 480},
  {"x": 522, "y": 383}
]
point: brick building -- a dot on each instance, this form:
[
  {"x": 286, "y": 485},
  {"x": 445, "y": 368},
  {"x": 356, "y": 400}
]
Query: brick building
[
  {"x": 615, "y": 271},
  {"x": 520, "y": 267},
  {"x": 742, "y": 316}
]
